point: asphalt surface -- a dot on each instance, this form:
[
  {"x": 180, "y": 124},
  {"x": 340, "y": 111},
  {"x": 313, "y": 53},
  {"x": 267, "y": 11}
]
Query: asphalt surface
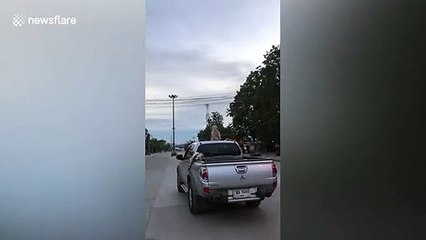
[{"x": 169, "y": 218}]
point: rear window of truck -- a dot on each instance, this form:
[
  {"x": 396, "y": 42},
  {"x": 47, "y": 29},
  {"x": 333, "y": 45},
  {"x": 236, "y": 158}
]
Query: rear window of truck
[{"x": 219, "y": 149}]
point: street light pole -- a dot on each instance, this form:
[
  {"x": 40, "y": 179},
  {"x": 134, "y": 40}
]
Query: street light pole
[{"x": 173, "y": 97}]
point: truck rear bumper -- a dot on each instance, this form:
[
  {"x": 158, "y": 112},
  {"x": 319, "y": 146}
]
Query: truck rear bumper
[
  {"x": 225, "y": 195},
  {"x": 231, "y": 200}
]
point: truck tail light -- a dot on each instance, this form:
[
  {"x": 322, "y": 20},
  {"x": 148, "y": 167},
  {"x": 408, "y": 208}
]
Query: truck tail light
[
  {"x": 274, "y": 170},
  {"x": 274, "y": 173},
  {"x": 204, "y": 174}
]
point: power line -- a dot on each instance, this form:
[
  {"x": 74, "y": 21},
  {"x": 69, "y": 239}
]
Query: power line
[
  {"x": 188, "y": 104},
  {"x": 202, "y": 96},
  {"x": 192, "y": 99},
  {"x": 192, "y": 102}
]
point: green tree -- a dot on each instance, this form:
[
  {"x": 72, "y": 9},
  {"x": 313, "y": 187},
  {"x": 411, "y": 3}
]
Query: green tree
[
  {"x": 255, "y": 110},
  {"x": 215, "y": 119},
  {"x": 153, "y": 145},
  {"x": 147, "y": 140}
]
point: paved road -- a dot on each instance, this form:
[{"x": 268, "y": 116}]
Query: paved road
[{"x": 169, "y": 217}]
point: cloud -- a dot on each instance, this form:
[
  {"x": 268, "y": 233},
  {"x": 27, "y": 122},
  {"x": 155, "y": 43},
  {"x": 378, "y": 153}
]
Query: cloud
[{"x": 183, "y": 67}]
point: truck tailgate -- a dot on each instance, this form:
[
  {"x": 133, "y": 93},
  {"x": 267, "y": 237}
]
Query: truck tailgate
[{"x": 240, "y": 174}]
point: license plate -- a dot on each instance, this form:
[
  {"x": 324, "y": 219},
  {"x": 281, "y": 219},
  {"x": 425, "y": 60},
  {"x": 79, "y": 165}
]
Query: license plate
[{"x": 241, "y": 193}]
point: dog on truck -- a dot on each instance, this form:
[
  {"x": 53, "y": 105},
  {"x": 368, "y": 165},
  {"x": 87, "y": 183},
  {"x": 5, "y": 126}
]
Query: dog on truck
[{"x": 215, "y": 134}]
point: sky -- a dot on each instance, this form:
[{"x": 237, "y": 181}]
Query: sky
[{"x": 200, "y": 48}]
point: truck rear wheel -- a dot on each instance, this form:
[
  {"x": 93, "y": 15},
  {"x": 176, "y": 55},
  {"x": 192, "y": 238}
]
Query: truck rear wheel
[
  {"x": 178, "y": 183},
  {"x": 195, "y": 202},
  {"x": 253, "y": 204}
]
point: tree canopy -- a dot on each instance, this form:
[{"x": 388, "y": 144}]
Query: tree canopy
[{"x": 255, "y": 110}]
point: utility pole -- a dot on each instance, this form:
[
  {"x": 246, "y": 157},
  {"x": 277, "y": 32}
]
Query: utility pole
[
  {"x": 207, "y": 114},
  {"x": 173, "y": 97}
]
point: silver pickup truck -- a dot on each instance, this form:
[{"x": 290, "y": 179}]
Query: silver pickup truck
[{"x": 217, "y": 171}]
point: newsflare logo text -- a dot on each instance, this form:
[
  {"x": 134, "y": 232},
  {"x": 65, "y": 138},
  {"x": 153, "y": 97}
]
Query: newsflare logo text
[{"x": 18, "y": 20}]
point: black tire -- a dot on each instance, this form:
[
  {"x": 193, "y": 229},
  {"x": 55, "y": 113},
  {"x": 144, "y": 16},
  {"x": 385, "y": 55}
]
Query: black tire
[
  {"x": 195, "y": 203},
  {"x": 253, "y": 204},
  {"x": 178, "y": 183}
]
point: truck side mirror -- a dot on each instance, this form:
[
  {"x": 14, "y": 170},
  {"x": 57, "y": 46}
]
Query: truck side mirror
[{"x": 179, "y": 157}]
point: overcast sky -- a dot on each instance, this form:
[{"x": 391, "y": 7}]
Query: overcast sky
[{"x": 198, "y": 48}]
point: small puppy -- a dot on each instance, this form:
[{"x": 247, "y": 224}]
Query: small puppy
[{"x": 215, "y": 134}]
